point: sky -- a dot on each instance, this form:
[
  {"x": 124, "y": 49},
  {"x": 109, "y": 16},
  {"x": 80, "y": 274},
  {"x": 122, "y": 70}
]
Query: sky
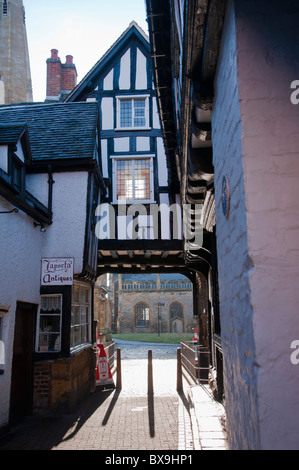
[{"x": 84, "y": 29}]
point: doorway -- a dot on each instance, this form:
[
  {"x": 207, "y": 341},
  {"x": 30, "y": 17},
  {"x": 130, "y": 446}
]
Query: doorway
[{"x": 21, "y": 395}]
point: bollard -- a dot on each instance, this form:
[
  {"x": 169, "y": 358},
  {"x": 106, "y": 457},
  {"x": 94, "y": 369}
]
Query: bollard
[
  {"x": 179, "y": 383},
  {"x": 118, "y": 369},
  {"x": 150, "y": 372},
  {"x": 150, "y": 395}
]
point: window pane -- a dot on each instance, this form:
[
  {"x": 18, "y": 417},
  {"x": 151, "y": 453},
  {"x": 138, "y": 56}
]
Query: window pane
[
  {"x": 142, "y": 315},
  {"x": 124, "y": 179},
  {"x": 142, "y": 179},
  {"x": 80, "y": 315},
  {"x": 139, "y": 113},
  {"x": 126, "y": 113},
  {"x": 49, "y": 337}
]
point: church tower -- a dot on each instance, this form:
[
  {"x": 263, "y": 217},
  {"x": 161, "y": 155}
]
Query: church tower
[{"x": 15, "y": 76}]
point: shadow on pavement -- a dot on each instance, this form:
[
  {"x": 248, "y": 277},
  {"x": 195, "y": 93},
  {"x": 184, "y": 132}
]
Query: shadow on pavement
[{"x": 44, "y": 433}]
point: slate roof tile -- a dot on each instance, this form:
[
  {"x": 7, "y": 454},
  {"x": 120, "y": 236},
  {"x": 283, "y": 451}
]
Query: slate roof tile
[{"x": 56, "y": 130}]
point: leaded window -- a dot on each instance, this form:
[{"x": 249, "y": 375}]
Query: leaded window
[{"x": 142, "y": 318}]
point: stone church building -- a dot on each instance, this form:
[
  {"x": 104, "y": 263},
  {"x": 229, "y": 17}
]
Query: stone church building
[{"x": 154, "y": 303}]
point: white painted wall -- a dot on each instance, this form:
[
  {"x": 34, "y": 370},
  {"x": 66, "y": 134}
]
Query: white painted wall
[
  {"x": 107, "y": 113},
  {"x": 122, "y": 144},
  {"x": 255, "y": 129},
  {"x": 23, "y": 246},
  {"x": 141, "y": 72},
  {"x": 65, "y": 237},
  {"x": 20, "y": 246},
  {"x": 162, "y": 167},
  {"x": 234, "y": 266},
  {"x": 125, "y": 71},
  {"x": 267, "y": 66},
  {"x": 4, "y": 158},
  {"x": 108, "y": 81}
]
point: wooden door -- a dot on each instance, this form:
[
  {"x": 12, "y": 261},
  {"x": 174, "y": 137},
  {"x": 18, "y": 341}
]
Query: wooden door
[{"x": 22, "y": 365}]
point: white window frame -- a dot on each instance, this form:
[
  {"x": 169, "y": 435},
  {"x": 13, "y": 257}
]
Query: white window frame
[
  {"x": 116, "y": 158},
  {"x": 74, "y": 348},
  {"x": 132, "y": 98},
  {"x": 38, "y": 332}
]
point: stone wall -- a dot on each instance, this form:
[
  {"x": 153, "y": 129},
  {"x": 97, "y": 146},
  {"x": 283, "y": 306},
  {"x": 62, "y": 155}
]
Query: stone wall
[
  {"x": 128, "y": 299},
  {"x": 60, "y": 385}
]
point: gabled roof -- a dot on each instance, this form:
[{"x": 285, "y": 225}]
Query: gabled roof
[
  {"x": 10, "y": 133},
  {"x": 132, "y": 32},
  {"x": 56, "y": 130}
]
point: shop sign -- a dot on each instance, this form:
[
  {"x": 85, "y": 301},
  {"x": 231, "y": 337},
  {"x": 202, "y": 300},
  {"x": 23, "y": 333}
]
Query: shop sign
[{"x": 57, "y": 272}]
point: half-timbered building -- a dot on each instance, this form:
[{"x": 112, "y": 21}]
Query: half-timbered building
[{"x": 139, "y": 226}]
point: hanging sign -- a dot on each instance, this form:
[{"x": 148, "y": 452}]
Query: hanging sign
[{"x": 57, "y": 272}]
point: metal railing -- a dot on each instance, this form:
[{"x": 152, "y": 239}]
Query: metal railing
[{"x": 196, "y": 361}]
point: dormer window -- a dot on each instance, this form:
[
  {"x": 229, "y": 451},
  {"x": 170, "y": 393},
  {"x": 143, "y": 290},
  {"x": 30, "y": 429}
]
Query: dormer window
[{"x": 4, "y": 8}]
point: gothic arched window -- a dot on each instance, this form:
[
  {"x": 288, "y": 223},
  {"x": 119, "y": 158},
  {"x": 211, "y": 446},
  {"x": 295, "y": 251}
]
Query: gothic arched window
[
  {"x": 176, "y": 311},
  {"x": 142, "y": 315}
]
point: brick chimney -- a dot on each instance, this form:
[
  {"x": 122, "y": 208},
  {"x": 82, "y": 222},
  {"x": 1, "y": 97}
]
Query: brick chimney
[{"x": 61, "y": 78}]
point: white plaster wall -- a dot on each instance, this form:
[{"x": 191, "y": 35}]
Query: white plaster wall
[
  {"x": 141, "y": 72},
  {"x": 4, "y": 158},
  {"x": 268, "y": 62},
  {"x": 255, "y": 134},
  {"x": 20, "y": 248},
  {"x": 122, "y": 144},
  {"x": 37, "y": 185},
  {"x": 65, "y": 237},
  {"x": 107, "y": 113},
  {"x": 156, "y": 119},
  {"x": 142, "y": 144},
  {"x": 162, "y": 167},
  {"x": 108, "y": 81},
  {"x": 234, "y": 264},
  {"x": 104, "y": 155},
  {"x": 125, "y": 71}
]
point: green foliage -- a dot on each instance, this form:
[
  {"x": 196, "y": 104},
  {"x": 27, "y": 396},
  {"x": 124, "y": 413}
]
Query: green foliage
[{"x": 171, "y": 338}]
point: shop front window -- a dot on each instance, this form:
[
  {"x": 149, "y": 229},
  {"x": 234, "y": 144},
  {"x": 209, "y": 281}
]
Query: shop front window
[
  {"x": 49, "y": 324},
  {"x": 80, "y": 315}
]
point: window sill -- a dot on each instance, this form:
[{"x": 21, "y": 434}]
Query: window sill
[
  {"x": 117, "y": 129},
  {"x": 128, "y": 202},
  {"x": 81, "y": 347}
]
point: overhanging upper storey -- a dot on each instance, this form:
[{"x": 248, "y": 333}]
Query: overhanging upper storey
[{"x": 185, "y": 41}]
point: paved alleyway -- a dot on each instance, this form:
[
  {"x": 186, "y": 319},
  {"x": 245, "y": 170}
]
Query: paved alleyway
[{"x": 136, "y": 418}]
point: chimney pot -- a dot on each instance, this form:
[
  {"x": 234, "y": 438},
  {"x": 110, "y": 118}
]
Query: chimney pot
[
  {"x": 69, "y": 59},
  {"x": 54, "y": 54}
]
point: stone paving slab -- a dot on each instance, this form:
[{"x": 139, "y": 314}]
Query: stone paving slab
[
  {"x": 208, "y": 418},
  {"x": 111, "y": 420},
  {"x": 136, "y": 418}
]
